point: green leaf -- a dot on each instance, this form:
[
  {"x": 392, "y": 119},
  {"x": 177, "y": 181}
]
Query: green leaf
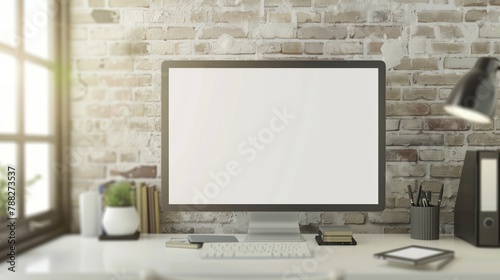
[{"x": 118, "y": 195}]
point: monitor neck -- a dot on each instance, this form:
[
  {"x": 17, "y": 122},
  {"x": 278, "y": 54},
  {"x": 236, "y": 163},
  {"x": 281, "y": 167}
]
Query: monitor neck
[{"x": 274, "y": 226}]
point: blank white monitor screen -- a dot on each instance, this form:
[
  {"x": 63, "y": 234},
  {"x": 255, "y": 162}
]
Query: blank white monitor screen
[{"x": 273, "y": 136}]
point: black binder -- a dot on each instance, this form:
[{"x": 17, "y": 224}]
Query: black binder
[{"x": 477, "y": 205}]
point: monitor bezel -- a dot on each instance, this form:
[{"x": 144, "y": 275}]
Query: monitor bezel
[{"x": 376, "y": 64}]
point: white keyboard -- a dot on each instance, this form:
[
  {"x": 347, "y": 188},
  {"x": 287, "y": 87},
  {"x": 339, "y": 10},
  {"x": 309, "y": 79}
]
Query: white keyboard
[{"x": 255, "y": 250}]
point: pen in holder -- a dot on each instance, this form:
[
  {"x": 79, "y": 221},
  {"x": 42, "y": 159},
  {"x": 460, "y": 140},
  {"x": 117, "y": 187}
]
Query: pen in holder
[{"x": 424, "y": 222}]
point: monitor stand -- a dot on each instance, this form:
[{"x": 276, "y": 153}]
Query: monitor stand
[{"x": 274, "y": 226}]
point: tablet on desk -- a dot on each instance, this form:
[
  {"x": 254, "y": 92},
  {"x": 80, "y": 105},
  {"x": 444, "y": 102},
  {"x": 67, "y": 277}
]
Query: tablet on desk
[{"x": 415, "y": 255}]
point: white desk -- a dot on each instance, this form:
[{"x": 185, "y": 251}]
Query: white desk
[{"x": 71, "y": 254}]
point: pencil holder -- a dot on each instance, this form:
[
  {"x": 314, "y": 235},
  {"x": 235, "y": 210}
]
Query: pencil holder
[{"x": 424, "y": 223}]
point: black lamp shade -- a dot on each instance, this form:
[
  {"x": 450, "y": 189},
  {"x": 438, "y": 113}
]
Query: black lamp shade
[{"x": 474, "y": 96}]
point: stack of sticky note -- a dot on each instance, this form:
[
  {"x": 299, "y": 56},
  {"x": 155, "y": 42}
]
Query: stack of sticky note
[{"x": 335, "y": 233}]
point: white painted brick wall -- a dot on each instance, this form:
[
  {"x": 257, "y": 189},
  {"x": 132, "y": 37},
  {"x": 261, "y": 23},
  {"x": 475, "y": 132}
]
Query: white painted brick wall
[{"x": 118, "y": 46}]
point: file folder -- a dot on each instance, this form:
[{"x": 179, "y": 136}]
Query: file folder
[
  {"x": 477, "y": 205},
  {"x": 488, "y": 199}
]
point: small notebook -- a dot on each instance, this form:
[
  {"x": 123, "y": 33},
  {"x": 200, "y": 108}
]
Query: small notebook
[
  {"x": 182, "y": 243},
  {"x": 209, "y": 238},
  {"x": 335, "y": 230}
]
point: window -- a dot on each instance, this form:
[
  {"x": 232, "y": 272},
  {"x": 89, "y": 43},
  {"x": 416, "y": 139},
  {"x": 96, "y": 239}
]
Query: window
[{"x": 32, "y": 52}]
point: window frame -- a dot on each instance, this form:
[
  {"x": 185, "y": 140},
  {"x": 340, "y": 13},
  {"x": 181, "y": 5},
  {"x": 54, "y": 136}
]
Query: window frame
[{"x": 41, "y": 227}]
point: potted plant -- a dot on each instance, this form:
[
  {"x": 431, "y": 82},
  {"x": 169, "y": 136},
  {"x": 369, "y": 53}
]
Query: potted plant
[{"x": 120, "y": 216}]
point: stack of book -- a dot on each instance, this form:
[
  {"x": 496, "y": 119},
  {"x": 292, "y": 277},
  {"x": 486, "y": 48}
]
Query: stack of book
[
  {"x": 335, "y": 234},
  {"x": 148, "y": 208}
]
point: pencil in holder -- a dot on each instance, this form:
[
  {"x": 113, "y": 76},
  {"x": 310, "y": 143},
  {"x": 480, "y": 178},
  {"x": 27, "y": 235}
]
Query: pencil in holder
[{"x": 424, "y": 223}]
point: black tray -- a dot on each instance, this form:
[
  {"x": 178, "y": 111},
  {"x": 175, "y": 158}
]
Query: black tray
[
  {"x": 134, "y": 236},
  {"x": 321, "y": 242}
]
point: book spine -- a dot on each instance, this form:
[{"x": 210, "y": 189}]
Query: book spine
[
  {"x": 151, "y": 209},
  {"x": 157, "y": 211},
  {"x": 138, "y": 204},
  {"x": 335, "y": 233},
  {"x": 145, "y": 224}
]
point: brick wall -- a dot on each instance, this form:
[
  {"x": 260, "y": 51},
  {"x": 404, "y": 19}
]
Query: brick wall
[{"x": 118, "y": 46}]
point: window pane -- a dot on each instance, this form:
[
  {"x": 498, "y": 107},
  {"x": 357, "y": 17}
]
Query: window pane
[
  {"x": 36, "y": 99},
  {"x": 38, "y": 20},
  {"x": 8, "y": 154},
  {"x": 8, "y": 94},
  {"x": 8, "y": 22},
  {"x": 37, "y": 179},
  {"x": 8, "y": 157}
]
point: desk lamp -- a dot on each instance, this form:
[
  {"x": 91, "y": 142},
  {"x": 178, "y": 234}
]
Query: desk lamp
[
  {"x": 474, "y": 96},
  {"x": 477, "y": 213}
]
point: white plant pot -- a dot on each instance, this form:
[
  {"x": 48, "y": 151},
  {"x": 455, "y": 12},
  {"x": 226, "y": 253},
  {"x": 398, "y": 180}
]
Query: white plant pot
[{"x": 120, "y": 220}]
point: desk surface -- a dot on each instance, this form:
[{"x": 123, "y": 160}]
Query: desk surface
[{"x": 75, "y": 254}]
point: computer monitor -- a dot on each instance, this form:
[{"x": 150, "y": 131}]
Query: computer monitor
[{"x": 273, "y": 136}]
